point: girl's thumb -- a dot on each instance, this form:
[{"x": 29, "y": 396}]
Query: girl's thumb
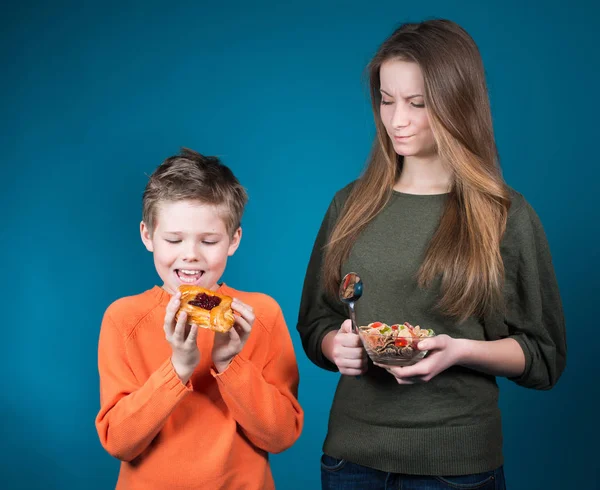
[{"x": 346, "y": 326}]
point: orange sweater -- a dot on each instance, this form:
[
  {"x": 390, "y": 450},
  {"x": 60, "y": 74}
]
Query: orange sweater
[{"x": 213, "y": 433}]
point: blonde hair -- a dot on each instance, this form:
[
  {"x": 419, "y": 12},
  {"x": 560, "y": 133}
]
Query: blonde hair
[{"x": 192, "y": 176}]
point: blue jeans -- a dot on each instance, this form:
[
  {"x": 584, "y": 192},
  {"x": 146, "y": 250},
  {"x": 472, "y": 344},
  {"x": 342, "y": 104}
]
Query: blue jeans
[{"x": 339, "y": 474}]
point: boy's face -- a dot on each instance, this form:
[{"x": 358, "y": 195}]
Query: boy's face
[{"x": 190, "y": 244}]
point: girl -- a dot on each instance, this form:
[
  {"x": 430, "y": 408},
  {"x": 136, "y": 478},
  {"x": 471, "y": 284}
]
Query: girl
[{"x": 439, "y": 240}]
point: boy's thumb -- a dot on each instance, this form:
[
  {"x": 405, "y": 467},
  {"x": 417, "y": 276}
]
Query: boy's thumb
[{"x": 346, "y": 326}]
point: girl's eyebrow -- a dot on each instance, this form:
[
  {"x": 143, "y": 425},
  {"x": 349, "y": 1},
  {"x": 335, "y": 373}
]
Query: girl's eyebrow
[{"x": 407, "y": 98}]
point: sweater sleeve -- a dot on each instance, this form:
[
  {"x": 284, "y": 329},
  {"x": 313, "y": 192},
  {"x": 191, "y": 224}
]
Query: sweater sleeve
[
  {"x": 131, "y": 413},
  {"x": 319, "y": 313},
  {"x": 263, "y": 399},
  {"x": 533, "y": 315}
]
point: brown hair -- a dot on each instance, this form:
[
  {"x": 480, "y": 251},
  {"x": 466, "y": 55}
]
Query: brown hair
[
  {"x": 465, "y": 250},
  {"x": 192, "y": 176}
]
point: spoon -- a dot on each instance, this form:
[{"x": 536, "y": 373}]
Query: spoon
[{"x": 351, "y": 289}]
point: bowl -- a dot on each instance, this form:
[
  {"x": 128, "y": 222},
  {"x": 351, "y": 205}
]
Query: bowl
[{"x": 394, "y": 345}]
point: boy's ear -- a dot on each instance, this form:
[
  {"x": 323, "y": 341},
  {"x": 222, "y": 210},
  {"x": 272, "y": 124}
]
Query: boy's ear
[
  {"x": 146, "y": 238},
  {"x": 235, "y": 241}
]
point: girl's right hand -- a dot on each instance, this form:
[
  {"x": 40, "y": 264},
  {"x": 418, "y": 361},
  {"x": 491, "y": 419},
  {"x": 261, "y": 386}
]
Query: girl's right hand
[
  {"x": 186, "y": 354},
  {"x": 344, "y": 348}
]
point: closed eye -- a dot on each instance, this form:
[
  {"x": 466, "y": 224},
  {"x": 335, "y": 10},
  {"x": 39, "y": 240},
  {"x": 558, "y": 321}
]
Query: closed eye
[{"x": 173, "y": 241}]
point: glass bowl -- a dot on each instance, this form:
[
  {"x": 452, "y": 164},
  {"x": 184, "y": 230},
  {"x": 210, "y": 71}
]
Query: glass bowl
[{"x": 394, "y": 345}]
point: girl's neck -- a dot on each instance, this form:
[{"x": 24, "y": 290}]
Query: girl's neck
[{"x": 424, "y": 176}]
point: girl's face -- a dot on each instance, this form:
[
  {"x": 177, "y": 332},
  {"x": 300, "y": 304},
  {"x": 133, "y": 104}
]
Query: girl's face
[{"x": 403, "y": 110}]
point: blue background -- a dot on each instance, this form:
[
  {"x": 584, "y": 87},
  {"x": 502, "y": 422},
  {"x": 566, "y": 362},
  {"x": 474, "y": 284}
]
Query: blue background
[{"x": 95, "y": 95}]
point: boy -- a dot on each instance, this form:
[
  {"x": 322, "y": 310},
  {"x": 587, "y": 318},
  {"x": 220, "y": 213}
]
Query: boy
[{"x": 187, "y": 408}]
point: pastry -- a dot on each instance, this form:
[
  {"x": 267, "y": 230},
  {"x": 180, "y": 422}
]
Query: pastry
[{"x": 206, "y": 308}]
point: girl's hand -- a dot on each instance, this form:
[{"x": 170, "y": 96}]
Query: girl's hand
[
  {"x": 186, "y": 354},
  {"x": 229, "y": 344},
  {"x": 345, "y": 350},
  {"x": 444, "y": 351}
]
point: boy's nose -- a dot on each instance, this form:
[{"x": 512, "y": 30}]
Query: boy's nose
[{"x": 191, "y": 253}]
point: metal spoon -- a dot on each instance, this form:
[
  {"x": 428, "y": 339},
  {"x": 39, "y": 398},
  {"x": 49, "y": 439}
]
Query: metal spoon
[{"x": 351, "y": 289}]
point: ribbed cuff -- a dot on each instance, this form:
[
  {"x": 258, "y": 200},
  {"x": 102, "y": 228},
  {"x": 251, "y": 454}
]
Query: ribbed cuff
[
  {"x": 523, "y": 378},
  {"x": 172, "y": 381},
  {"x": 234, "y": 373},
  {"x": 320, "y": 358}
]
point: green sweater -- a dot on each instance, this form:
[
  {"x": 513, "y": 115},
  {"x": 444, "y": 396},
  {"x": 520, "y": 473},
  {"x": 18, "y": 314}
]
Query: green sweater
[{"x": 450, "y": 425}]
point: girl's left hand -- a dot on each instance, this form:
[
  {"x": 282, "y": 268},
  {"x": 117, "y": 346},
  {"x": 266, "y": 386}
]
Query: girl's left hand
[
  {"x": 444, "y": 351},
  {"x": 227, "y": 345}
]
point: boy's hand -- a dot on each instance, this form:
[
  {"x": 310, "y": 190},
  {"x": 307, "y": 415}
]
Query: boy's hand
[
  {"x": 229, "y": 344},
  {"x": 186, "y": 354}
]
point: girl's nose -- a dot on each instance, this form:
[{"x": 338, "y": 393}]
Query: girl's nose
[{"x": 400, "y": 118}]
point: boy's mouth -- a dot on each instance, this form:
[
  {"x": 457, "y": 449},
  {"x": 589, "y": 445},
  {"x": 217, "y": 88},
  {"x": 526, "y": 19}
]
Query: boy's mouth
[{"x": 189, "y": 276}]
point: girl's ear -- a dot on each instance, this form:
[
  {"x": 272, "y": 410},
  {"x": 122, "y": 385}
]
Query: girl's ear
[{"x": 146, "y": 237}]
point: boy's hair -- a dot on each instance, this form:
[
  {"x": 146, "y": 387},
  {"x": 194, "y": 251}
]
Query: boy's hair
[{"x": 195, "y": 177}]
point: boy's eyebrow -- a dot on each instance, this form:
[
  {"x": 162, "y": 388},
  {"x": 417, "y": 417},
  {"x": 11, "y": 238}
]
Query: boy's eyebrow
[
  {"x": 407, "y": 98},
  {"x": 204, "y": 233}
]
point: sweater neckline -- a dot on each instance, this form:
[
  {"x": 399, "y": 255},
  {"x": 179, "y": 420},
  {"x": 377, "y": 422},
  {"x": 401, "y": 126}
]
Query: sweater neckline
[{"x": 420, "y": 196}]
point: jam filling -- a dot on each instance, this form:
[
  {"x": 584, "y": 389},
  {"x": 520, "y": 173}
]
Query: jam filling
[{"x": 205, "y": 301}]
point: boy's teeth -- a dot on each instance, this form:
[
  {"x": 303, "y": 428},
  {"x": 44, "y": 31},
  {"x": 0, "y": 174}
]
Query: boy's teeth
[{"x": 189, "y": 276}]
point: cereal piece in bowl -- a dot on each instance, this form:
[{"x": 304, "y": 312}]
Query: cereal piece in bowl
[{"x": 394, "y": 345}]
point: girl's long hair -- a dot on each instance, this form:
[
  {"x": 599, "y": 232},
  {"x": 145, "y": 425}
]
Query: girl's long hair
[{"x": 465, "y": 249}]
